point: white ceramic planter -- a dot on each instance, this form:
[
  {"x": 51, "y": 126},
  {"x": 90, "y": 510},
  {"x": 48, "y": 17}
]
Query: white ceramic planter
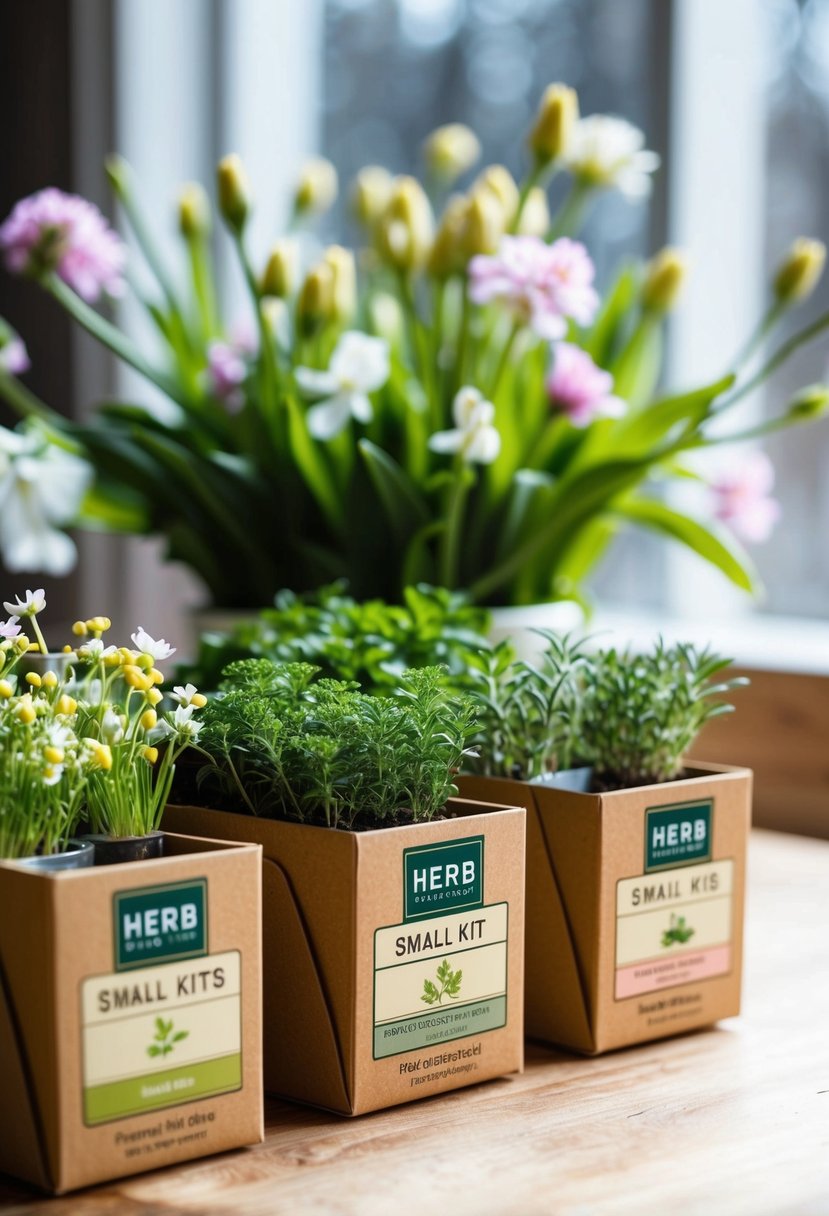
[{"x": 517, "y": 625}]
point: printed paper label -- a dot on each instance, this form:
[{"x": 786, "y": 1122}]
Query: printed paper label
[
  {"x": 443, "y": 877},
  {"x": 673, "y": 927},
  {"x": 439, "y": 979},
  {"x": 160, "y": 923},
  {"x": 161, "y": 1036}
]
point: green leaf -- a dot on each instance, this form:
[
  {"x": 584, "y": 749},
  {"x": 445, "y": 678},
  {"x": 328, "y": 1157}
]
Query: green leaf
[
  {"x": 311, "y": 463},
  {"x": 153, "y": 1050},
  {"x": 712, "y": 545},
  {"x": 636, "y": 371},
  {"x": 618, "y": 302},
  {"x": 657, "y": 421},
  {"x": 405, "y": 506},
  {"x": 180, "y": 1034}
]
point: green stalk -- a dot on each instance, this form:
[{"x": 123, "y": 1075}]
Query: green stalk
[
  {"x": 27, "y": 405},
  {"x": 110, "y": 336},
  {"x": 570, "y": 215},
  {"x": 269, "y": 372},
  {"x": 203, "y": 287},
  {"x": 463, "y": 339},
  {"x": 530, "y": 181},
  {"x": 766, "y": 324},
  {"x": 780, "y": 356},
  {"x": 451, "y": 541},
  {"x": 503, "y": 360}
]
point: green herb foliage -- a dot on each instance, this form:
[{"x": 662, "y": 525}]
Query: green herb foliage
[
  {"x": 642, "y": 712},
  {"x": 165, "y": 1038},
  {"x": 288, "y": 745},
  {"x": 448, "y": 984},
  {"x": 372, "y": 642},
  {"x": 679, "y": 932}
]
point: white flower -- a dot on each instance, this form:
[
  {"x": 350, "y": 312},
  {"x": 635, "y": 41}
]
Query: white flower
[
  {"x": 9, "y": 628},
  {"x": 32, "y": 603},
  {"x": 112, "y": 727},
  {"x": 60, "y": 736},
  {"x": 608, "y": 151},
  {"x": 94, "y": 648},
  {"x": 52, "y": 774},
  {"x": 41, "y": 489},
  {"x": 157, "y": 650},
  {"x": 474, "y": 437},
  {"x": 359, "y": 366},
  {"x": 179, "y": 724},
  {"x": 184, "y": 694}
]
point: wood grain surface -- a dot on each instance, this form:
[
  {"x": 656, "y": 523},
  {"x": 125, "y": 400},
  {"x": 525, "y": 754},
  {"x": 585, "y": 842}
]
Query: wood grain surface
[{"x": 733, "y": 1120}]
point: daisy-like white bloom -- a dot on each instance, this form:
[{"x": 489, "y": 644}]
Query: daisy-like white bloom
[
  {"x": 180, "y": 724},
  {"x": 158, "y": 650},
  {"x": 579, "y": 388},
  {"x": 188, "y": 694},
  {"x": 543, "y": 284},
  {"x": 606, "y": 151},
  {"x": 473, "y": 437},
  {"x": 359, "y": 365},
  {"x": 742, "y": 499},
  {"x": 32, "y": 603},
  {"x": 10, "y": 628},
  {"x": 41, "y": 490},
  {"x": 94, "y": 649},
  {"x": 52, "y": 230},
  {"x": 52, "y": 773},
  {"x": 112, "y": 726},
  {"x": 14, "y": 358}
]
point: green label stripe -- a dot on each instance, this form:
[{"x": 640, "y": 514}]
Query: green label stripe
[
  {"x": 432, "y": 1029},
  {"x": 158, "y": 924},
  {"x": 443, "y": 877},
  {"x": 154, "y": 1091},
  {"x": 678, "y": 835}
]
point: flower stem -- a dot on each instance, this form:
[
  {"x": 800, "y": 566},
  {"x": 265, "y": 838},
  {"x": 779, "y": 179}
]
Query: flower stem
[
  {"x": 27, "y": 405},
  {"x": 454, "y": 526},
  {"x": 503, "y": 360},
  {"x": 780, "y": 356},
  {"x": 571, "y": 213},
  {"x": 529, "y": 183},
  {"x": 41, "y": 641}
]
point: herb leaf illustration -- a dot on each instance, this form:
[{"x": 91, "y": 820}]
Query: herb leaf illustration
[
  {"x": 164, "y": 1039},
  {"x": 678, "y": 933},
  {"x": 449, "y": 984}
]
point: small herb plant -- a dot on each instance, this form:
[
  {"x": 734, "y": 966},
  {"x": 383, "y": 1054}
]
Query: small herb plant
[
  {"x": 448, "y": 984},
  {"x": 165, "y": 1039},
  {"x": 642, "y": 712},
  {"x": 678, "y": 933},
  {"x": 371, "y": 642},
  {"x": 529, "y": 717},
  {"x": 288, "y": 745}
]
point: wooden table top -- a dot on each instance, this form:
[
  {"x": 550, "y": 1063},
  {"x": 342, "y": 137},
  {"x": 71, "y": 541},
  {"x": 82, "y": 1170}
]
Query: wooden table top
[{"x": 733, "y": 1120}]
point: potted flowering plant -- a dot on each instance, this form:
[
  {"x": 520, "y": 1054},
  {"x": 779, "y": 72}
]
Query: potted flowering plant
[
  {"x": 465, "y": 410},
  {"x": 636, "y": 858},
  {"x": 396, "y": 908}
]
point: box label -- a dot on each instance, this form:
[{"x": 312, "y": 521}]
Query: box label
[
  {"x": 161, "y": 1036},
  {"x": 440, "y": 979},
  {"x": 443, "y": 877},
  {"x": 162, "y": 923},
  {"x": 673, "y": 928},
  {"x": 678, "y": 835}
]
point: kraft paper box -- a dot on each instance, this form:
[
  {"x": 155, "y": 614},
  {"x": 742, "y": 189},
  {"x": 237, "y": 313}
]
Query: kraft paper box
[
  {"x": 359, "y": 927},
  {"x": 634, "y": 906},
  {"x": 130, "y": 1013}
]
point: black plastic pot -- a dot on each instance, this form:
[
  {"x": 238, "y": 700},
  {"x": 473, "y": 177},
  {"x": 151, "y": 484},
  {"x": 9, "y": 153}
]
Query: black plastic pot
[{"x": 112, "y": 850}]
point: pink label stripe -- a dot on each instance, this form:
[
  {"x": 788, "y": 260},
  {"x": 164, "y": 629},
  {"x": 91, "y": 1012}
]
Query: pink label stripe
[{"x": 672, "y": 970}]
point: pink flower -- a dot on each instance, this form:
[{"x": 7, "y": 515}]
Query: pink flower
[
  {"x": 14, "y": 358},
  {"x": 9, "y": 628},
  {"x": 227, "y": 370},
  {"x": 543, "y": 283},
  {"x": 51, "y": 230},
  {"x": 742, "y": 498},
  {"x": 579, "y": 388}
]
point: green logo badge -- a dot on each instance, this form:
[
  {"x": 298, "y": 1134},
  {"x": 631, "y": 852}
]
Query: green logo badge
[
  {"x": 160, "y": 924},
  {"x": 443, "y": 878},
  {"x": 678, "y": 835}
]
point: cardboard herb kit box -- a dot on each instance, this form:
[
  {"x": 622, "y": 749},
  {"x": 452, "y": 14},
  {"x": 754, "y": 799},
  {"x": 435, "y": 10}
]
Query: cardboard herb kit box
[
  {"x": 393, "y": 957},
  {"x": 130, "y": 1013},
  {"x": 634, "y": 905}
]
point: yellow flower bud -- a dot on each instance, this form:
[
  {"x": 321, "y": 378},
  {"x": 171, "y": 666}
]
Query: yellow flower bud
[
  {"x": 55, "y": 755},
  {"x": 502, "y": 184},
  {"x": 344, "y": 282},
  {"x": 535, "y": 216},
  {"x": 316, "y": 298},
  {"x": 101, "y": 754},
  {"x": 193, "y": 212},
  {"x": 557, "y": 115},
  {"x": 404, "y": 232},
  {"x": 799, "y": 272},
  {"x": 22, "y": 644},
  {"x": 234, "y": 191},
  {"x": 150, "y": 754},
  {"x": 148, "y": 719},
  {"x": 6, "y": 690},
  {"x": 450, "y": 151},
  {"x": 114, "y": 660},
  {"x": 26, "y": 711},
  {"x": 50, "y": 679},
  {"x": 370, "y": 194},
  {"x": 316, "y": 189},
  {"x": 144, "y": 661},
  {"x": 67, "y": 650},
  {"x": 665, "y": 275},
  {"x": 446, "y": 257},
  {"x": 154, "y": 696},
  {"x": 198, "y": 700},
  {"x": 80, "y": 629},
  {"x": 34, "y": 679},
  {"x": 484, "y": 223},
  {"x": 280, "y": 275},
  {"x": 155, "y": 676},
  {"x": 133, "y": 675},
  {"x": 809, "y": 403},
  {"x": 129, "y": 656},
  {"x": 66, "y": 705}
]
